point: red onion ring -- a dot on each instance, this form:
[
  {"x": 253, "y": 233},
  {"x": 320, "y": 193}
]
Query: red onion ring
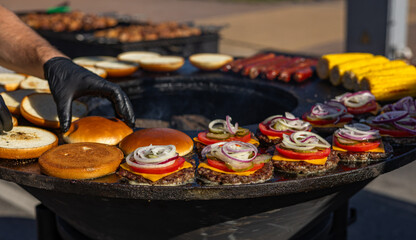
[
  {"x": 390, "y": 117},
  {"x": 231, "y": 129},
  {"x": 254, "y": 149}
]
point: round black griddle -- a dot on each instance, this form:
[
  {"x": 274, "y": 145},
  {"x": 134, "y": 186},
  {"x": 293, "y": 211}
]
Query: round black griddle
[{"x": 283, "y": 207}]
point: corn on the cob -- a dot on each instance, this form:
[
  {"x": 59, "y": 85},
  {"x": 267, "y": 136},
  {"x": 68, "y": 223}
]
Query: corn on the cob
[
  {"x": 390, "y": 87},
  {"x": 386, "y": 75},
  {"x": 327, "y": 62},
  {"x": 351, "y": 77},
  {"x": 338, "y": 71},
  {"x": 394, "y": 95}
]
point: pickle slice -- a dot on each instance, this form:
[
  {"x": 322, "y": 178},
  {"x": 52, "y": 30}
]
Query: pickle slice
[
  {"x": 242, "y": 132},
  {"x": 220, "y": 136}
]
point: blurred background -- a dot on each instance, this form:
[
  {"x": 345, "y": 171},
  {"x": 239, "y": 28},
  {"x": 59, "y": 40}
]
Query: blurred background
[{"x": 386, "y": 208}]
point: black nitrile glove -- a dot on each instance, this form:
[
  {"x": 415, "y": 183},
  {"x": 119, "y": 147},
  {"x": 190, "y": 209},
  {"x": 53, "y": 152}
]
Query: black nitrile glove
[
  {"x": 69, "y": 81},
  {"x": 6, "y": 122}
]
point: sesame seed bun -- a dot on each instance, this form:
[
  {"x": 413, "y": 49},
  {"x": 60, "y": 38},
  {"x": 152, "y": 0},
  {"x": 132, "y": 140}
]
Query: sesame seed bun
[
  {"x": 80, "y": 160},
  {"x": 97, "y": 129},
  {"x": 157, "y": 136}
]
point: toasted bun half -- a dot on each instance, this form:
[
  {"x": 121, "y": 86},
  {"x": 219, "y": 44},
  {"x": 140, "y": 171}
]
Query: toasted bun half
[
  {"x": 209, "y": 61},
  {"x": 26, "y": 142},
  {"x": 97, "y": 129},
  {"x": 40, "y": 109},
  {"x": 118, "y": 68},
  {"x": 162, "y": 64},
  {"x": 80, "y": 160},
  {"x": 90, "y": 61},
  {"x": 14, "y": 98},
  {"x": 157, "y": 136},
  {"x": 99, "y": 71},
  {"x": 14, "y": 121},
  {"x": 10, "y": 81},
  {"x": 136, "y": 56},
  {"x": 35, "y": 83}
]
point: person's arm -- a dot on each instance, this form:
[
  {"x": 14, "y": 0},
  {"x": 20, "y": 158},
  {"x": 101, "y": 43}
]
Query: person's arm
[{"x": 23, "y": 50}]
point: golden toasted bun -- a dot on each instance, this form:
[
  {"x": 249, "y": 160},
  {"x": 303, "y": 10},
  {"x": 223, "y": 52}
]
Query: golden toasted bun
[
  {"x": 162, "y": 63},
  {"x": 26, "y": 142},
  {"x": 209, "y": 61},
  {"x": 14, "y": 121},
  {"x": 99, "y": 71},
  {"x": 10, "y": 81},
  {"x": 118, "y": 68},
  {"x": 40, "y": 109},
  {"x": 80, "y": 160},
  {"x": 90, "y": 61},
  {"x": 14, "y": 98},
  {"x": 136, "y": 56},
  {"x": 32, "y": 82},
  {"x": 157, "y": 136},
  {"x": 97, "y": 129}
]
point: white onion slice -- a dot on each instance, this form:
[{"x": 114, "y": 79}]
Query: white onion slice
[
  {"x": 357, "y": 132},
  {"x": 304, "y": 140},
  {"x": 162, "y": 153},
  {"x": 212, "y": 128}
]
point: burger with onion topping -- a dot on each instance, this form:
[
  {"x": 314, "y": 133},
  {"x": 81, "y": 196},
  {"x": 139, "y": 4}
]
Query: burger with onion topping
[
  {"x": 407, "y": 104},
  {"x": 359, "y": 104},
  {"x": 220, "y": 130},
  {"x": 304, "y": 153},
  {"x": 271, "y": 130},
  {"x": 234, "y": 162},
  {"x": 396, "y": 127},
  {"x": 157, "y": 165},
  {"x": 325, "y": 118},
  {"x": 359, "y": 143}
]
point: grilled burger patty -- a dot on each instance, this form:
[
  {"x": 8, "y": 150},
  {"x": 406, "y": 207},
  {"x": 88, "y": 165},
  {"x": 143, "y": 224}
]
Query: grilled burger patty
[
  {"x": 213, "y": 177},
  {"x": 181, "y": 177},
  {"x": 400, "y": 141},
  {"x": 301, "y": 167},
  {"x": 266, "y": 141},
  {"x": 365, "y": 156}
]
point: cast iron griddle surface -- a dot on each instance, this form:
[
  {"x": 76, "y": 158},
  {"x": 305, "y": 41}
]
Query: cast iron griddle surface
[{"x": 307, "y": 93}]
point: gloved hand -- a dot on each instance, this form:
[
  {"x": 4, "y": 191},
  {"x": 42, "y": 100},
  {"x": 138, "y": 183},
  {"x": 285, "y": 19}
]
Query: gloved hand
[
  {"x": 69, "y": 81},
  {"x": 6, "y": 122}
]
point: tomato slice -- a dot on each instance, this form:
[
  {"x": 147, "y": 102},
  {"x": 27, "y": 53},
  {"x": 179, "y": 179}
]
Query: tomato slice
[
  {"x": 304, "y": 156},
  {"x": 220, "y": 165},
  {"x": 175, "y": 166},
  {"x": 393, "y": 132},
  {"x": 359, "y": 147},
  {"x": 266, "y": 131},
  {"x": 202, "y": 136},
  {"x": 371, "y": 106},
  {"x": 325, "y": 121}
]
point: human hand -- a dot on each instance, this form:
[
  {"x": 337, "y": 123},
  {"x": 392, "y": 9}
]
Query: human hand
[
  {"x": 69, "y": 81},
  {"x": 6, "y": 122}
]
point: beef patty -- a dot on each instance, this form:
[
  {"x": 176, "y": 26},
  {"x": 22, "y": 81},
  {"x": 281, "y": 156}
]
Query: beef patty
[
  {"x": 265, "y": 141},
  {"x": 302, "y": 167},
  {"x": 365, "y": 156}
]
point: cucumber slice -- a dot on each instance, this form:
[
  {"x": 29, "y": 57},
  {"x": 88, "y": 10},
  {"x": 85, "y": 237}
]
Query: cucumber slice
[
  {"x": 263, "y": 158},
  {"x": 242, "y": 132},
  {"x": 240, "y": 166},
  {"x": 220, "y": 136}
]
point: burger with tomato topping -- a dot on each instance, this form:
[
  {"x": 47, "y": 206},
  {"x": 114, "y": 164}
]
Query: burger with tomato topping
[
  {"x": 360, "y": 104},
  {"x": 304, "y": 153},
  {"x": 407, "y": 104},
  {"x": 220, "y": 130},
  {"x": 396, "y": 127},
  {"x": 157, "y": 165},
  {"x": 325, "y": 118},
  {"x": 359, "y": 143},
  {"x": 233, "y": 163},
  {"x": 271, "y": 130}
]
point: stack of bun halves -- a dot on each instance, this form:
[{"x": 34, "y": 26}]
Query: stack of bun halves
[{"x": 386, "y": 79}]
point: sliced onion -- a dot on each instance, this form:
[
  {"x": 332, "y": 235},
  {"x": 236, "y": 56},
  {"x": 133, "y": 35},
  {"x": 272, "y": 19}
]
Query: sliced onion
[
  {"x": 290, "y": 121},
  {"x": 304, "y": 140},
  {"x": 269, "y": 119},
  {"x": 131, "y": 162},
  {"x": 235, "y": 154},
  {"x": 212, "y": 128},
  {"x": 328, "y": 110},
  {"x": 162, "y": 153},
  {"x": 358, "y": 99},
  {"x": 390, "y": 117},
  {"x": 406, "y": 124},
  {"x": 208, "y": 148},
  {"x": 232, "y": 129},
  {"x": 357, "y": 132}
]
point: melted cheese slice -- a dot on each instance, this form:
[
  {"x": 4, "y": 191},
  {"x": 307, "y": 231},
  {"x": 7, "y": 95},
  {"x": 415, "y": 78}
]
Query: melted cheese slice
[
  {"x": 252, "y": 141},
  {"x": 379, "y": 149},
  {"x": 319, "y": 161},
  {"x": 272, "y": 137},
  {"x": 246, "y": 173},
  {"x": 154, "y": 177}
]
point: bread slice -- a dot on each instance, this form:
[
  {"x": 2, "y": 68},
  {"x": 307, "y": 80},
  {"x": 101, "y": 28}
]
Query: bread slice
[
  {"x": 162, "y": 64},
  {"x": 90, "y": 61},
  {"x": 32, "y": 82},
  {"x": 13, "y": 99},
  {"x": 26, "y": 142},
  {"x": 40, "y": 109},
  {"x": 99, "y": 71},
  {"x": 81, "y": 160},
  {"x": 10, "y": 81},
  {"x": 136, "y": 56},
  {"x": 209, "y": 61},
  {"x": 118, "y": 68},
  {"x": 97, "y": 129}
]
